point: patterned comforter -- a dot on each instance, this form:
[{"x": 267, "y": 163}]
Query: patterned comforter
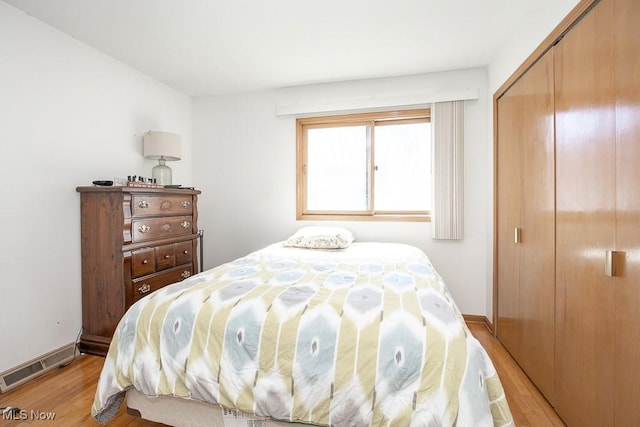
[{"x": 365, "y": 336}]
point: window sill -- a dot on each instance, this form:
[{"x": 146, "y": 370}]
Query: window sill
[{"x": 372, "y": 218}]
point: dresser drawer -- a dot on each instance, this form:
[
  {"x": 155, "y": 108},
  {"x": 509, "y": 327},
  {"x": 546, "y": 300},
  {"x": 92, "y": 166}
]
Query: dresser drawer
[
  {"x": 159, "y": 228},
  {"x": 166, "y": 256},
  {"x": 184, "y": 252},
  {"x": 145, "y": 285},
  {"x": 143, "y": 262},
  {"x": 153, "y": 205}
]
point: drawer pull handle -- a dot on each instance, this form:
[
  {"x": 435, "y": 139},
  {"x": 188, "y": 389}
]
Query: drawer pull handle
[
  {"x": 166, "y": 228},
  {"x": 144, "y": 289},
  {"x": 185, "y": 274},
  {"x": 143, "y": 204},
  {"x": 145, "y": 261},
  {"x": 185, "y": 204},
  {"x": 144, "y": 228},
  {"x": 186, "y": 252},
  {"x": 167, "y": 256},
  {"x": 185, "y": 224}
]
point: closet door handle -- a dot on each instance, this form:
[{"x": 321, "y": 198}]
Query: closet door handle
[
  {"x": 611, "y": 267},
  {"x": 517, "y": 235}
]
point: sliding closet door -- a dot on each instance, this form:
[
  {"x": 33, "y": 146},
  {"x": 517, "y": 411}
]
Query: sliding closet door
[
  {"x": 537, "y": 239},
  {"x": 508, "y": 196},
  {"x": 627, "y": 354},
  {"x": 585, "y": 229},
  {"x": 525, "y": 193}
]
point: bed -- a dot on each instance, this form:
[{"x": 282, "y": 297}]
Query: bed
[{"x": 361, "y": 334}]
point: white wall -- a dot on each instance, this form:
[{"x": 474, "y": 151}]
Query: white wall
[
  {"x": 246, "y": 169},
  {"x": 536, "y": 26},
  {"x": 68, "y": 115}
]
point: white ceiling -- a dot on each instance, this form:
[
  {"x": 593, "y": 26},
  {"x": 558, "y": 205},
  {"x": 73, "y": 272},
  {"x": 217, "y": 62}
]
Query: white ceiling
[{"x": 206, "y": 47}]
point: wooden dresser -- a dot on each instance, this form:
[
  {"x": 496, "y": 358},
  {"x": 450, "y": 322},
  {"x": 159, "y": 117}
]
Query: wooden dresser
[{"x": 134, "y": 241}]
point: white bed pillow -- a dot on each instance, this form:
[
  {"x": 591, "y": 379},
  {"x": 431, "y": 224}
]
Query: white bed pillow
[{"x": 315, "y": 237}]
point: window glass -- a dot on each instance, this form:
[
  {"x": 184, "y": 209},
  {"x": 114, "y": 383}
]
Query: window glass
[
  {"x": 337, "y": 168},
  {"x": 403, "y": 169}
]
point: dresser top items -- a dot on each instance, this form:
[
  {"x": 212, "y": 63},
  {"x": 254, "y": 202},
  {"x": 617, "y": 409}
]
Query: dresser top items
[{"x": 135, "y": 190}]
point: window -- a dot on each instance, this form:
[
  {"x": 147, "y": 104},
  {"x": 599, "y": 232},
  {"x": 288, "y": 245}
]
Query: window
[{"x": 372, "y": 166}]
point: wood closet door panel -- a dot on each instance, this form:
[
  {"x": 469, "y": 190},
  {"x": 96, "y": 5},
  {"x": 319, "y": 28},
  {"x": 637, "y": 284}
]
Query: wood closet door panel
[
  {"x": 585, "y": 229},
  {"x": 537, "y": 258},
  {"x": 525, "y": 194},
  {"x": 627, "y": 355},
  {"x": 508, "y": 192}
]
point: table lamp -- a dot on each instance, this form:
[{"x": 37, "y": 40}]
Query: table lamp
[{"x": 163, "y": 147}]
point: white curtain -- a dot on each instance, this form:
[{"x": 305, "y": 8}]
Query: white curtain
[{"x": 447, "y": 123}]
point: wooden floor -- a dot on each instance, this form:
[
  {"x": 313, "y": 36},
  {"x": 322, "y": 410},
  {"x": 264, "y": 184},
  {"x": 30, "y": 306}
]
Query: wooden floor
[
  {"x": 528, "y": 407},
  {"x": 68, "y": 393}
]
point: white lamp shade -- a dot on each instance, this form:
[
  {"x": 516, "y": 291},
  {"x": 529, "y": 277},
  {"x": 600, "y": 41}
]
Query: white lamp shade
[{"x": 162, "y": 145}]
